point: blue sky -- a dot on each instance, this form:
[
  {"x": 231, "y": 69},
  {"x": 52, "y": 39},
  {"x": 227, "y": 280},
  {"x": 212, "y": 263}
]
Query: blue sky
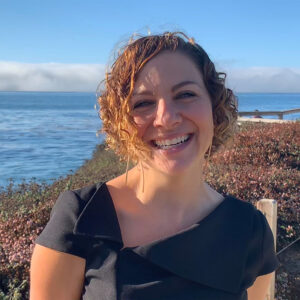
[{"x": 256, "y": 42}]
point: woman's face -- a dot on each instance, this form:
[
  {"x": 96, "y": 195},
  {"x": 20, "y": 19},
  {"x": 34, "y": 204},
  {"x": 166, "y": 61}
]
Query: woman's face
[{"x": 172, "y": 111}]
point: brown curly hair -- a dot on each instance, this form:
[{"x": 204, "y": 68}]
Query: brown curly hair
[{"x": 118, "y": 125}]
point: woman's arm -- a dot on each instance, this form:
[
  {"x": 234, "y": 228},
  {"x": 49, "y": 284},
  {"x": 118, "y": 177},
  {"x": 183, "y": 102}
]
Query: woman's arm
[
  {"x": 258, "y": 290},
  {"x": 55, "y": 275}
]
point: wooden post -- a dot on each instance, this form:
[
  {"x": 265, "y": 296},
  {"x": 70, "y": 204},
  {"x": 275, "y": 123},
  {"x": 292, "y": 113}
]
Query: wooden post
[{"x": 269, "y": 208}]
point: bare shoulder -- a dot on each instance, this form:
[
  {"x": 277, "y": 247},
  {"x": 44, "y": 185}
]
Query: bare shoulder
[
  {"x": 120, "y": 182},
  {"x": 122, "y": 193},
  {"x": 117, "y": 182},
  {"x": 55, "y": 275},
  {"x": 130, "y": 212}
]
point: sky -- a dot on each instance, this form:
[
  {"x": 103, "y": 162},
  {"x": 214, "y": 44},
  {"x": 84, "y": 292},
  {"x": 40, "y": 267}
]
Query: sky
[{"x": 66, "y": 45}]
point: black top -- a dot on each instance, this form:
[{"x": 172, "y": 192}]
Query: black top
[{"x": 217, "y": 258}]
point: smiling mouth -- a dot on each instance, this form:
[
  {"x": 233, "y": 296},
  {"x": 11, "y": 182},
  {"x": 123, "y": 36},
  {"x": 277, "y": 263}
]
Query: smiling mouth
[{"x": 167, "y": 144}]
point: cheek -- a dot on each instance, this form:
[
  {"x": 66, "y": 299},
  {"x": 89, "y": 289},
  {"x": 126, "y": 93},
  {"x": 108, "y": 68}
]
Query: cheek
[
  {"x": 142, "y": 123},
  {"x": 201, "y": 114}
]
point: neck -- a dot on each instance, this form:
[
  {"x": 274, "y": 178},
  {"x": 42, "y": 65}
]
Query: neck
[{"x": 172, "y": 195}]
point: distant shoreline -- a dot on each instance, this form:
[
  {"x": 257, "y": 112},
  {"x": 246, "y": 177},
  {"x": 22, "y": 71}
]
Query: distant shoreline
[{"x": 243, "y": 119}]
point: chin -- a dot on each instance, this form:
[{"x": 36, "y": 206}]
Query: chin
[{"x": 183, "y": 159}]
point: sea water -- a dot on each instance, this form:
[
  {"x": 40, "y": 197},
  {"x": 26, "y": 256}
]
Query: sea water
[{"x": 45, "y": 135}]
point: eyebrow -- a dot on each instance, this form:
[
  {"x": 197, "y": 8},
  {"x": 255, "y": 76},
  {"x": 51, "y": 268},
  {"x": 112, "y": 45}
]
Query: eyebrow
[
  {"x": 181, "y": 84},
  {"x": 174, "y": 88},
  {"x": 142, "y": 93}
]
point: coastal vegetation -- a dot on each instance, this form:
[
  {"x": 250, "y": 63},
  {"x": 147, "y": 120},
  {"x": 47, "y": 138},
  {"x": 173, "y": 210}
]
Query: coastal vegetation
[{"x": 262, "y": 162}]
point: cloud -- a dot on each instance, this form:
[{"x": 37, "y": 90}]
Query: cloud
[
  {"x": 15, "y": 76},
  {"x": 264, "y": 79}
]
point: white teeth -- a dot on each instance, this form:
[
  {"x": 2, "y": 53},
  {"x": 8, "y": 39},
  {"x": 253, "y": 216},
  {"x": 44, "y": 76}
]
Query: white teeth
[{"x": 166, "y": 144}]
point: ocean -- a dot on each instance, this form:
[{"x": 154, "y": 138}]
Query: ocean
[{"x": 47, "y": 135}]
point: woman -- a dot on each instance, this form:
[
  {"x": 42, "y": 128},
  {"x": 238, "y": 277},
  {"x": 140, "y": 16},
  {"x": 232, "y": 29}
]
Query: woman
[{"x": 158, "y": 231}]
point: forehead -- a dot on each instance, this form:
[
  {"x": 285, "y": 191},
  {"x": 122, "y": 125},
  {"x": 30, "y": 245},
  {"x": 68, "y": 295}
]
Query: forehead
[{"x": 168, "y": 68}]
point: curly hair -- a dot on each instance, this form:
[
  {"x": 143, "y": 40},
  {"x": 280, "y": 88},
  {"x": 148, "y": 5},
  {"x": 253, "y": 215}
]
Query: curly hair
[{"x": 118, "y": 124}]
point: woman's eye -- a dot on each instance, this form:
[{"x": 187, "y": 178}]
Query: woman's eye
[
  {"x": 142, "y": 104},
  {"x": 185, "y": 95}
]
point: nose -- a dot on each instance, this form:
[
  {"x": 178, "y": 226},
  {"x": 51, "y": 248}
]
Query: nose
[{"x": 167, "y": 114}]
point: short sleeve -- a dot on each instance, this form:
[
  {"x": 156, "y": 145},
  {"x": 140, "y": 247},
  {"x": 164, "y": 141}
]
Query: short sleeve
[
  {"x": 268, "y": 259},
  {"x": 58, "y": 233}
]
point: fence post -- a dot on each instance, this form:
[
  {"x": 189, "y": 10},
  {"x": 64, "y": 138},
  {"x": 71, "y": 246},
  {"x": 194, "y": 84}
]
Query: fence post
[{"x": 269, "y": 208}]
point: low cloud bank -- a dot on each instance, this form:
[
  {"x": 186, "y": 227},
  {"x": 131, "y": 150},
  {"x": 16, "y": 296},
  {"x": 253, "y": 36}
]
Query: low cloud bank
[
  {"x": 59, "y": 77},
  {"x": 264, "y": 80},
  {"x": 16, "y": 76}
]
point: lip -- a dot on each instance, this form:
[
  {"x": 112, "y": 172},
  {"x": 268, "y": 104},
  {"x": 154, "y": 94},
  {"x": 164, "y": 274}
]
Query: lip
[
  {"x": 174, "y": 149},
  {"x": 170, "y": 136}
]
